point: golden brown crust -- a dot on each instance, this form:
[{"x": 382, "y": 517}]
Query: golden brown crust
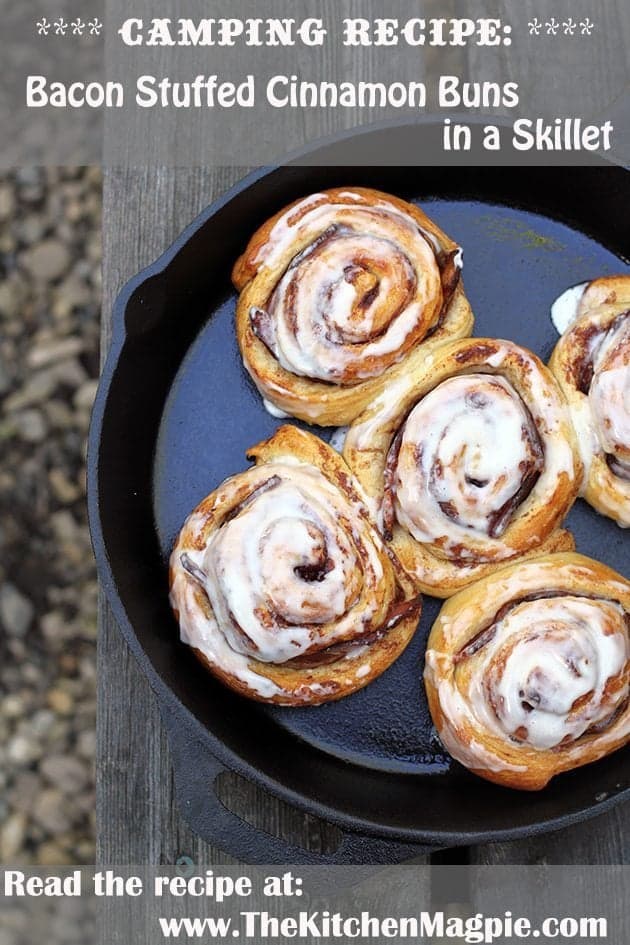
[
  {"x": 332, "y": 386},
  {"x": 296, "y": 520},
  {"x": 445, "y": 526},
  {"x": 605, "y": 301},
  {"x": 503, "y": 640}
]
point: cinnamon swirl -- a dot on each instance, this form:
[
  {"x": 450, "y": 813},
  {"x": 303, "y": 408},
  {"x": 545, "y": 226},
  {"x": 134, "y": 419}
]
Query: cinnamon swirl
[
  {"x": 469, "y": 461},
  {"x": 335, "y": 291},
  {"x": 592, "y": 364},
  {"x": 282, "y": 585},
  {"x": 528, "y": 671}
]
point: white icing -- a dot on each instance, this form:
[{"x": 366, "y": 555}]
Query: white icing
[
  {"x": 445, "y": 439},
  {"x": 354, "y": 303},
  {"x": 338, "y": 438},
  {"x": 601, "y": 415},
  {"x": 260, "y": 606},
  {"x": 539, "y": 681},
  {"x": 609, "y": 395},
  {"x": 564, "y": 310},
  {"x": 548, "y": 654},
  {"x": 496, "y": 360},
  {"x": 274, "y": 411},
  {"x": 470, "y": 427},
  {"x": 588, "y": 445}
]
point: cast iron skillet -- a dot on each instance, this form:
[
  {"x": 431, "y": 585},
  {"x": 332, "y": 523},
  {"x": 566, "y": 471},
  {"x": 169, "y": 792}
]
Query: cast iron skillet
[{"x": 175, "y": 414}]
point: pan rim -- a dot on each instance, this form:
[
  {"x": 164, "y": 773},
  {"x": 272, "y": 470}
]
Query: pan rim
[{"x": 166, "y": 697}]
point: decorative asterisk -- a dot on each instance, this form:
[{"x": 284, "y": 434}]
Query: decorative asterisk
[
  {"x": 43, "y": 26},
  {"x": 586, "y": 27},
  {"x": 569, "y": 27},
  {"x": 77, "y": 27},
  {"x": 60, "y": 27},
  {"x": 535, "y": 27},
  {"x": 95, "y": 27},
  {"x": 552, "y": 26}
]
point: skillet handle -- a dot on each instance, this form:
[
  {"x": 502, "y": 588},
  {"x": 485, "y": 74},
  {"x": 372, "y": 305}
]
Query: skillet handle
[{"x": 196, "y": 772}]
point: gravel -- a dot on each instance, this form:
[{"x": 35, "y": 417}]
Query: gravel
[
  {"x": 16, "y": 610},
  {"x": 49, "y": 305}
]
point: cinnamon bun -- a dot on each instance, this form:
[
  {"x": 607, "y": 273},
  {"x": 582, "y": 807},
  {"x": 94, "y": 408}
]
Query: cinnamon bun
[
  {"x": 592, "y": 364},
  {"x": 528, "y": 671},
  {"x": 282, "y": 585},
  {"x": 469, "y": 461},
  {"x": 335, "y": 291}
]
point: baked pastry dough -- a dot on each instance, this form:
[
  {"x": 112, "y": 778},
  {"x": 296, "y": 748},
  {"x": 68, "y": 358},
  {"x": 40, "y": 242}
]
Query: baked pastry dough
[
  {"x": 468, "y": 461},
  {"x": 337, "y": 289},
  {"x": 592, "y": 364},
  {"x": 527, "y": 672},
  {"x": 282, "y": 585}
]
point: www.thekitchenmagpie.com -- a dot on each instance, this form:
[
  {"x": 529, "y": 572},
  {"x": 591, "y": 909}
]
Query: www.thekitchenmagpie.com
[{"x": 476, "y": 929}]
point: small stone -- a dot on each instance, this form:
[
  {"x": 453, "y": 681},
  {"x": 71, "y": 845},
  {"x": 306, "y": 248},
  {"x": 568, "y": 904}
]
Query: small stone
[
  {"x": 86, "y": 852},
  {"x": 12, "y": 707},
  {"x": 7, "y": 202},
  {"x": 86, "y": 744},
  {"x": 10, "y": 301},
  {"x": 30, "y": 425},
  {"x": 17, "y": 649},
  {"x": 74, "y": 210},
  {"x": 52, "y": 350},
  {"x": 32, "y": 228},
  {"x": 84, "y": 397},
  {"x": 64, "y": 526},
  {"x": 68, "y": 664},
  {"x": 8, "y": 243},
  {"x": 24, "y": 791},
  {"x": 55, "y": 627},
  {"x": 65, "y": 491},
  {"x": 22, "y": 750},
  {"x": 51, "y": 854},
  {"x": 60, "y": 702},
  {"x": 65, "y": 772},
  {"x": 12, "y": 835},
  {"x": 47, "y": 261},
  {"x": 73, "y": 293},
  {"x": 59, "y": 414},
  {"x": 71, "y": 373},
  {"x": 37, "y": 389},
  {"x": 43, "y": 722},
  {"x": 51, "y": 811},
  {"x": 16, "y": 610}
]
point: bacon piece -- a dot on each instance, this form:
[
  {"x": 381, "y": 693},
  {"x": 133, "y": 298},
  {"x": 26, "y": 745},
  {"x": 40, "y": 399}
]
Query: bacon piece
[
  {"x": 389, "y": 488},
  {"x": 263, "y": 326},
  {"x": 265, "y": 486},
  {"x": 193, "y": 569}
]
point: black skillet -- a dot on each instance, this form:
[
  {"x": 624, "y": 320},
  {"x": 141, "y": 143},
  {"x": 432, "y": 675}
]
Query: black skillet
[{"x": 175, "y": 414}]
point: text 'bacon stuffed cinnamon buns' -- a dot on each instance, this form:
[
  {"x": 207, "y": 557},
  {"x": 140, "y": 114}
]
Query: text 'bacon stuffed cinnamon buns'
[
  {"x": 592, "y": 364},
  {"x": 528, "y": 671},
  {"x": 468, "y": 461},
  {"x": 281, "y": 583},
  {"x": 337, "y": 289}
]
